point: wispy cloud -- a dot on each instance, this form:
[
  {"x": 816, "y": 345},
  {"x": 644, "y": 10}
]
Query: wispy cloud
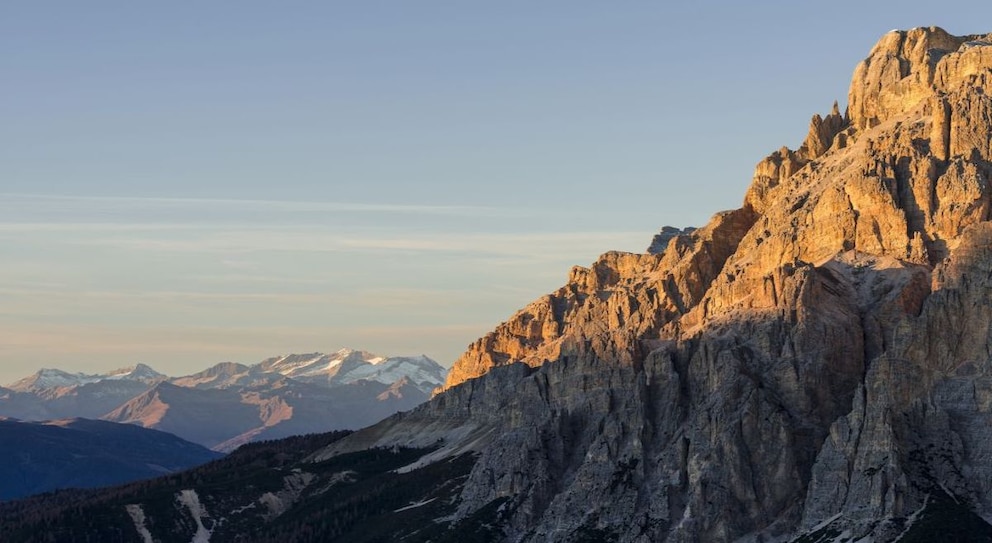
[
  {"x": 113, "y": 281},
  {"x": 94, "y": 204},
  {"x": 235, "y": 241},
  {"x": 24, "y": 301}
]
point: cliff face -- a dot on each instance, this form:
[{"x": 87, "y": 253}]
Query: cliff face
[{"x": 816, "y": 362}]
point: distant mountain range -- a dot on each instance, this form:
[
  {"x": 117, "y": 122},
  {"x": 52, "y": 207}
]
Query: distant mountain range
[
  {"x": 230, "y": 404},
  {"x": 43, "y": 456}
]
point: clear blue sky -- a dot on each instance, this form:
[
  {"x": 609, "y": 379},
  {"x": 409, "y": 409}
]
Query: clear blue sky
[{"x": 183, "y": 183}]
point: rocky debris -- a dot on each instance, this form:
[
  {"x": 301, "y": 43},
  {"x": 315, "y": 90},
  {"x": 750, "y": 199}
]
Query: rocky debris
[
  {"x": 278, "y": 502},
  {"x": 815, "y": 362}
]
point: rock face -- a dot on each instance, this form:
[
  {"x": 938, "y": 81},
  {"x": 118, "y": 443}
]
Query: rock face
[
  {"x": 661, "y": 240},
  {"x": 816, "y": 363}
]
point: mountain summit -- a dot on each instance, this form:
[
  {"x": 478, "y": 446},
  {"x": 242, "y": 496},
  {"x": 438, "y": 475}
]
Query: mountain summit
[
  {"x": 49, "y": 378},
  {"x": 815, "y": 362},
  {"x": 813, "y": 366}
]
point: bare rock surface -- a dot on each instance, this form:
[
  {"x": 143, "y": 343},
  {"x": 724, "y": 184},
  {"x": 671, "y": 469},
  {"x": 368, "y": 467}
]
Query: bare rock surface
[{"x": 817, "y": 363}]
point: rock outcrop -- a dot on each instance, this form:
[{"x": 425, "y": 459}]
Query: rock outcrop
[
  {"x": 661, "y": 240},
  {"x": 816, "y": 362}
]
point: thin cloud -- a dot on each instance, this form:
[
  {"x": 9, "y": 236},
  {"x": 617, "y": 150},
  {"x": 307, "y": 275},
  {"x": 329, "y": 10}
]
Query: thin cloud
[
  {"x": 236, "y": 241},
  {"x": 132, "y": 203}
]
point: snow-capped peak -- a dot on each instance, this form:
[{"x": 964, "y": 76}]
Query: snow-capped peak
[
  {"x": 318, "y": 364},
  {"x": 347, "y": 366},
  {"x": 52, "y": 378},
  {"x": 48, "y": 378},
  {"x": 138, "y": 372},
  {"x": 421, "y": 371}
]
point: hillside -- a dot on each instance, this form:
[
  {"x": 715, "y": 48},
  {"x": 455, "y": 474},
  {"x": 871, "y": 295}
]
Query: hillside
[{"x": 80, "y": 453}]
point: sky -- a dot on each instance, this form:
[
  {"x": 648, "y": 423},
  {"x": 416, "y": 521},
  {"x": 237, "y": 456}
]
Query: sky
[{"x": 186, "y": 183}]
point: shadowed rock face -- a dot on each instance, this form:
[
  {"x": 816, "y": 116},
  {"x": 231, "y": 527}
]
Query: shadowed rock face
[{"x": 819, "y": 360}]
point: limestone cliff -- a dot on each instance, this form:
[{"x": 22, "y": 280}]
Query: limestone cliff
[{"x": 816, "y": 363}]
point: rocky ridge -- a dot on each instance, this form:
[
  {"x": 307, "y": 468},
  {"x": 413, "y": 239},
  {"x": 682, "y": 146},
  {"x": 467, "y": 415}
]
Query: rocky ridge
[
  {"x": 230, "y": 404},
  {"x": 815, "y": 364}
]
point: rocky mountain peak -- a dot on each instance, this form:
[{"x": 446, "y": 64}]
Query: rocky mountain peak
[
  {"x": 907, "y": 67},
  {"x": 808, "y": 362}
]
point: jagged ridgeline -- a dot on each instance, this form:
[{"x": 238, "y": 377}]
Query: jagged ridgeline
[{"x": 814, "y": 366}]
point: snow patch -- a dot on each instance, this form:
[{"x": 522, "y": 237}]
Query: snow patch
[
  {"x": 138, "y": 517},
  {"x": 949, "y": 493},
  {"x": 824, "y": 524},
  {"x": 191, "y": 500},
  {"x": 243, "y": 508},
  {"x": 414, "y": 505},
  {"x": 913, "y": 518}
]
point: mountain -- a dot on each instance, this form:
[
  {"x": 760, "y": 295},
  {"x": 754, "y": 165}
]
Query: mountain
[
  {"x": 48, "y": 379},
  {"x": 230, "y": 404},
  {"x": 347, "y": 366},
  {"x": 44, "y": 456},
  {"x": 56, "y": 394},
  {"x": 813, "y": 366},
  {"x": 264, "y": 406}
]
